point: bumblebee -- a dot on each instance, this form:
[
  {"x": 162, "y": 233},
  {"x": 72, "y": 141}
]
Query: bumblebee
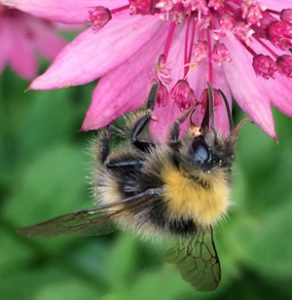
[{"x": 177, "y": 190}]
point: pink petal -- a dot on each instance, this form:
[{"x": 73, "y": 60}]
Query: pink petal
[
  {"x": 92, "y": 54},
  {"x": 5, "y": 37},
  {"x": 220, "y": 110},
  {"x": 45, "y": 39},
  {"x": 247, "y": 89},
  {"x": 64, "y": 11},
  {"x": 276, "y": 4},
  {"x": 279, "y": 91},
  {"x": 125, "y": 88},
  {"x": 22, "y": 57}
]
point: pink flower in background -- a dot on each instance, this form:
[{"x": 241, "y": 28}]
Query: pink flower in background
[
  {"x": 240, "y": 46},
  {"x": 22, "y": 36}
]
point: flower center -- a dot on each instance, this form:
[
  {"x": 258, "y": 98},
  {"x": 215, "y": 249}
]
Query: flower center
[
  {"x": 264, "y": 33},
  {"x": 208, "y": 21}
]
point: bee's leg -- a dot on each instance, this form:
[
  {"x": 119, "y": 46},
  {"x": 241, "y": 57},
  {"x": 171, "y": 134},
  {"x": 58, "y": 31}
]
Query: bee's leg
[
  {"x": 144, "y": 120},
  {"x": 128, "y": 163},
  {"x": 105, "y": 144},
  {"x": 143, "y": 145},
  {"x": 175, "y": 130}
]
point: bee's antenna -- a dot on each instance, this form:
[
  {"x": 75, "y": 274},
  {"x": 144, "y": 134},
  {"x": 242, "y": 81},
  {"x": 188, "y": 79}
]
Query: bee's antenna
[
  {"x": 209, "y": 112},
  {"x": 211, "y": 105},
  {"x": 235, "y": 131},
  {"x": 229, "y": 114}
]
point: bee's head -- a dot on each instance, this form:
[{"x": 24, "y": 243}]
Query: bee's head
[{"x": 208, "y": 151}]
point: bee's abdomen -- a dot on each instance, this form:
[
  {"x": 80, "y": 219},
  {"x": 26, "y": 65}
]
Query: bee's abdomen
[
  {"x": 182, "y": 226},
  {"x": 159, "y": 217}
]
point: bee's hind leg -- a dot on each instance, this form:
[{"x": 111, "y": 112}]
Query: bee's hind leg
[
  {"x": 144, "y": 120},
  {"x": 104, "y": 144}
]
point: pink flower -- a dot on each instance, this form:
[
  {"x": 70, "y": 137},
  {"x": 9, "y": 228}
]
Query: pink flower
[
  {"x": 240, "y": 46},
  {"x": 21, "y": 36}
]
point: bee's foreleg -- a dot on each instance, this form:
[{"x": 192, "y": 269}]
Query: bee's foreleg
[
  {"x": 144, "y": 120},
  {"x": 175, "y": 130},
  {"x": 143, "y": 145},
  {"x": 105, "y": 144}
]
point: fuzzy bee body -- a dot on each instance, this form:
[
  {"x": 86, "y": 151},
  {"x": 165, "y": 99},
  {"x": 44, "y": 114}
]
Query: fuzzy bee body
[
  {"x": 176, "y": 190},
  {"x": 189, "y": 199}
]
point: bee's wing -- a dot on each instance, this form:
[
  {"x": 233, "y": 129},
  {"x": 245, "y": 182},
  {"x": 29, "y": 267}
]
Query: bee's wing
[
  {"x": 197, "y": 261},
  {"x": 92, "y": 221}
]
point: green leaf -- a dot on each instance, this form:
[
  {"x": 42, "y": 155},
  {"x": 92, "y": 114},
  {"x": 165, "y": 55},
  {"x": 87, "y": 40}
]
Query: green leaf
[
  {"x": 71, "y": 290},
  {"x": 48, "y": 120},
  {"x": 267, "y": 243},
  {"x": 53, "y": 184},
  {"x": 121, "y": 260},
  {"x": 12, "y": 251},
  {"x": 47, "y": 281}
]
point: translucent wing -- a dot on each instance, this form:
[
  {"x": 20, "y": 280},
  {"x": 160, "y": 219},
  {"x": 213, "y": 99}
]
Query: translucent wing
[
  {"x": 197, "y": 261},
  {"x": 92, "y": 221}
]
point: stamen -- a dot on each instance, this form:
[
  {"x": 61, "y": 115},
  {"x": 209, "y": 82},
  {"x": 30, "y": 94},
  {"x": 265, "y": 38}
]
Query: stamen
[
  {"x": 284, "y": 64},
  {"x": 163, "y": 72},
  {"x": 189, "y": 46},
  {"x": 280, "y": 34},
  {"x": 210, "y": 65},
  {"x": 192, "y": 40},
  {"x": 169, "y": 39},
  {"x": 186, "y": 47},
  {"x": 119, "y": 9}
]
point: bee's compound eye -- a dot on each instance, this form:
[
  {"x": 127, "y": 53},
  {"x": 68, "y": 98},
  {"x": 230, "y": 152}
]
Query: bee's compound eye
[{"x": 201, "y": 154}]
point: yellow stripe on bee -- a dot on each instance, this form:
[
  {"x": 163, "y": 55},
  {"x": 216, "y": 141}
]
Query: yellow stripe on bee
[{"x": 186, "y": 198}]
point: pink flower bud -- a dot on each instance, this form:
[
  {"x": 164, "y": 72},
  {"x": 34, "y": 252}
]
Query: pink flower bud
[
  {"x": 284, "y": 64},
  {"x": 264, "y": 66},
  {"x": 99, "y": 17},
  {"x": 200, "y": 51},
  {"x": 254, "y": 14},
  {"x": 243, "y": 32},
  {"x": 286, "y": 15},
  {"x": 183, "y": 95},
  {"x": 280, "y": 34},
  {"x": 142, "y": 7},
  {"x": 162, "y": 98},
  {"x": 220, "y": 53},
  {"x": 216, "y": 4}
]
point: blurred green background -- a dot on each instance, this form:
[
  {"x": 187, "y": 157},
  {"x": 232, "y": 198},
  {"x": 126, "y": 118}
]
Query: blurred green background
[{"x": 44, "y": 166}]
